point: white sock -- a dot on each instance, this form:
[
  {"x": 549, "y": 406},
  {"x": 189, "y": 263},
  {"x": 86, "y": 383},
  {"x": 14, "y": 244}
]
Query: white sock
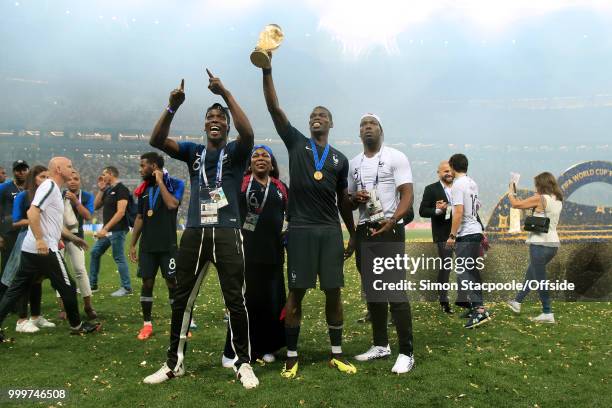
[
  {"x": 336, "y": 349},
  {"x": 148, "y": 323},
  {"x": 292, "y": 353}
]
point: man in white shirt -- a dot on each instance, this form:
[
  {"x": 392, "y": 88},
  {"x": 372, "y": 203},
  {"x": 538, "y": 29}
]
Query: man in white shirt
[
  {"x": 466, "y": 236},
  {"x": 40, "y": 254},
  {"x": 380, "y": 184}
]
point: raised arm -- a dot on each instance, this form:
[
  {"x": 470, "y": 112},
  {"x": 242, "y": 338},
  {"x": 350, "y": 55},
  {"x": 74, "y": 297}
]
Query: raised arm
[
  {"x": 99, "y": 199},
  {"x": 81, "y": 209},
  {"x": 246, "y": 136},
  {"x": 169, "y": 200},
  {"x": 281, "y": 123},
  {"x": 159, "y": 136},
  {"x": 535, "y": 201}
]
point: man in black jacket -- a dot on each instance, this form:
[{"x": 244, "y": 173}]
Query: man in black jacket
[{"x": 436, "y": 205}]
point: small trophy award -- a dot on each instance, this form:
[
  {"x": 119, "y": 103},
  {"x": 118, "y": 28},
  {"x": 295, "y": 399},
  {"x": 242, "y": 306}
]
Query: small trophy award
[{"x": 269, "y": 40}]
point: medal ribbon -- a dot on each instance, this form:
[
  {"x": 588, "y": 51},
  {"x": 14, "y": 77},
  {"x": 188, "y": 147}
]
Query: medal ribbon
[
  {"x": 319, "y": 163},
  {"x": 153, "y": 198}
]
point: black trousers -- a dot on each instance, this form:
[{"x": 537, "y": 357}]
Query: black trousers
[
  {"x": 9, "y": 239},
  {"x": 468, "y": 248},
  {"x": 198, "y": 249},
  {"x": 32, "y": 267},
  {"x": 400, "y": 311},
  {"x": 33, "y": 297},
  {"x": 444, "y": 273},
  {"x": 265, "y": 299},
  {"x": 9, "y": 242}
]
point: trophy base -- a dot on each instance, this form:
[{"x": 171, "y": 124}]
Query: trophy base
[{"x": 260, "y": 59}]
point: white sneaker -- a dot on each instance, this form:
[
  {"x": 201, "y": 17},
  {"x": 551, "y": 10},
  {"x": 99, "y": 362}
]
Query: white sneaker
[
  {"x": 164, "y": 374},
  {"x": 122, "y": 292},
  {"x": 403, "y": 364},
  {"x": 269, "y": 358},
  {"x": 514, "y": 305},
  {"x": 192, "y": 324},
  {"x": 42, "y": 323},
  {"x": 227, "y": 362},
  {"x": 247, "y": 377},
  {"x": 544, "y": 318},
  {"x": 374, "y": 353},
  {"x": 27, "y": 326}
]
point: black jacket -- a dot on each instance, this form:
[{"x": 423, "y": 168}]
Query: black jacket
[{"x": 440, "y": 228}]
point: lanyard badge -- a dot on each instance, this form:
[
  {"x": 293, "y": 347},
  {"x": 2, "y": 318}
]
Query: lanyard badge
[
  {"x": 449, "y": 210},
  {"x": 211, "y": 198},
  {"x": 250, "y": 222},
  {"x": 374, "y": 209}
]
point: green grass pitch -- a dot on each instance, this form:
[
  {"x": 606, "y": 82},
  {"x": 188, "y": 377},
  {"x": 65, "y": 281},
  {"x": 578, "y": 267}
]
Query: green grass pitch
[{"x": 509, "y": 362}]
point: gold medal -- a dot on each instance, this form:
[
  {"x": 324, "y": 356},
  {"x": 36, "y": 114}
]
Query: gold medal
[
  {"x": 150, "y": 213},
  {"x": 318, "y": 175}
]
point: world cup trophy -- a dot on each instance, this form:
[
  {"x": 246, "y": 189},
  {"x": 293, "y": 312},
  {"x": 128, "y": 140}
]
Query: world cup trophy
[{"x": 269, "y": 40}]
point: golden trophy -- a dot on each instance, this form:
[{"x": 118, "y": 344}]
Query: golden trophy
[{"x": 269, "y": 40}]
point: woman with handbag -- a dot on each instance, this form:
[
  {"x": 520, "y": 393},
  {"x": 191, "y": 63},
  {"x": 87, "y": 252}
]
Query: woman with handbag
[{"x": 543, "y": 241}]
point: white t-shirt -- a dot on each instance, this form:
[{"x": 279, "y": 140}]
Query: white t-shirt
[
  {"x": 393, "y": 169},
  {"x": 465, "y": 192},
  {"x": 48, "y": 199}
]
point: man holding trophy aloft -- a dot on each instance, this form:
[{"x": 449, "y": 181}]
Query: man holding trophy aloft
[{"x": 318, "y": 190}]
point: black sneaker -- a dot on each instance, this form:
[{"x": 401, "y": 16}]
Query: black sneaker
[
  {"x": 86, "y": 328},
  {"x": 446, "y": 307},
  {"x": 94, "y": 288},
  {"x": 2, "y": 338},
  {"x": 477, "y": 319}
]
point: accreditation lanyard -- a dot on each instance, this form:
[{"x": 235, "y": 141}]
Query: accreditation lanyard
[
  {"x": 248, "y": 190},
  {"x": 153, "y": 194},
  {"x": 363, "y": 186},
  {"x": 203, "y": 176}
]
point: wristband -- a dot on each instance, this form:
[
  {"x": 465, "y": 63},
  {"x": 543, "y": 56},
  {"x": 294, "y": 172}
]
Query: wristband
[
  {"x": 266, "y": 71},
  {"x": 172, "y": 112}
]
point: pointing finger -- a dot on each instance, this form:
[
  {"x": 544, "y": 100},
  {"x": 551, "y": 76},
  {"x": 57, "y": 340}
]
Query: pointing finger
[
  {"x": 182, "y": 88},
  {"x": 210, "y": 75}
]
